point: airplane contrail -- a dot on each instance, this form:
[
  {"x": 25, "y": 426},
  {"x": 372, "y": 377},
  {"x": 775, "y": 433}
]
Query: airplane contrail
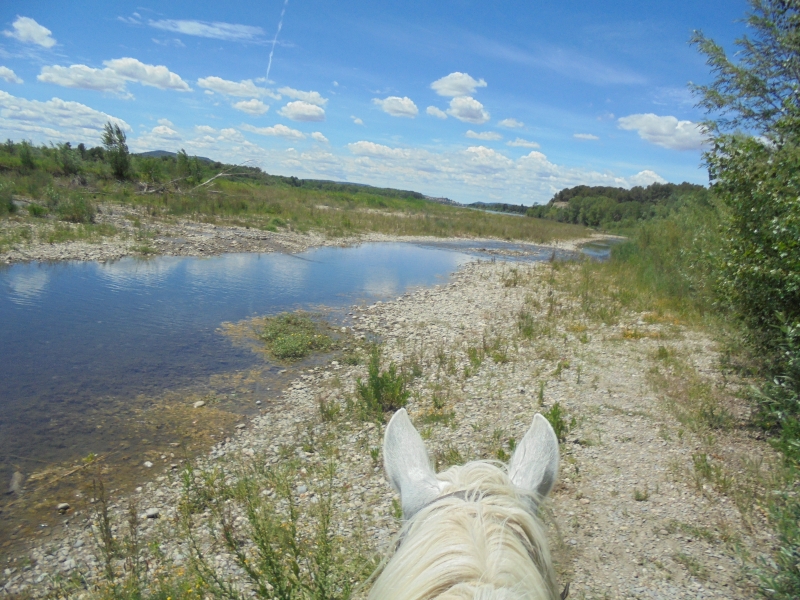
[{"x": 275, "y": 39}]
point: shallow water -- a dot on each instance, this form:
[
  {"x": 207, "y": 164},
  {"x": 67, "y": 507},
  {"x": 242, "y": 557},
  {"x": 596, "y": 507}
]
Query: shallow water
[{"x": 105, "y": 358}]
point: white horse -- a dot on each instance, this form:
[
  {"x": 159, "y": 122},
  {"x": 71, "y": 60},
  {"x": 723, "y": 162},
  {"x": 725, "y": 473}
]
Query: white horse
[{"x": 472, "y": 531}]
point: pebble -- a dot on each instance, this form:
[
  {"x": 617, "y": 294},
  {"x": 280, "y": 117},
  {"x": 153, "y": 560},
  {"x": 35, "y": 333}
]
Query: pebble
[
  {"x": 199, "y": 404},
  {"x": 147, "y": 464},
  {"x": 152, "y": 513},
  {"x": 63, "y": 507}
]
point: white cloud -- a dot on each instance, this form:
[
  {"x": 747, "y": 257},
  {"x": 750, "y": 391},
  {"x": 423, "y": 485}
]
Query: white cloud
[
  {"x": 585, "y": 136},
  {"x": 318, "y": 137},
  {"x": 9, "y": 75},
  {"x": 520, "y": 143},
  {"x": 54, "y": 119},
  {"x": 484, "y": 135},
  {"x": 310, "y": 97},
  {"x": 205, "y": 129},
  {"x": 667, "y": 132},
  {"x": 252, "y": 107},
  {"x": 276, "y": 131},
  {"x": 157, "y": 76},
  {"x": 467, "y": 109},
  {"x": 457, "y": 84},
  {"x": 511, "y": 123},
  {"x": 356, "y": 120},
  {"x": 397, "y": 107},
  {"x": 165, "y": 123},
  {"x": 165, "y": 132},
  {"x": 83, "y": 77},
  {"x": 372, "y": 149},
  {"x": 230, "y": 32},
  {"x": 114, "y": 76},
  {"x": 645, "y": 178},
  {"x": 300, "y": 110},
  {"x": 242, "y": 89},
  {"x": 28, "y": 31},
  {"x": 436, "y": 112}
]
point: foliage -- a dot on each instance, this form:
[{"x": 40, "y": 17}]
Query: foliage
[
  {"x": 284, "y": 546},
  {"x": 615, "y": 208},
  {"x": 382, "y": 392},
  {"x": 290, "y": 336},
  {"x": 557, "y": 419},
  {"x": 760, "y": 92},
  {"x": 117, "y": 155}
]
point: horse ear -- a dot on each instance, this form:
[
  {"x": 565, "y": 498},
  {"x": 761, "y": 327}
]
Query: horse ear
[
  {"x": 407, "y": 465},
  {"x": 534, "y": 465}
]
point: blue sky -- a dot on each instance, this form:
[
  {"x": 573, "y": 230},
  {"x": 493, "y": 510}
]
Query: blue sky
[{"x": 476, "y": 101}]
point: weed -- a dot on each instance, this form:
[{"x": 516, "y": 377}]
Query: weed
[
  {"x": 540, "y": 395},
  {"x": 290, "y": 336},
  {"x": 448, "y": 456},
  {"x": 382, "y": 392},
  {"x": 375, "y": 455},
  {"x": 556, "y": 418},
  {"x": 695, "y": 568},
  {"x": 641, "y": 495},
  {"x": 329, "y": 410}
]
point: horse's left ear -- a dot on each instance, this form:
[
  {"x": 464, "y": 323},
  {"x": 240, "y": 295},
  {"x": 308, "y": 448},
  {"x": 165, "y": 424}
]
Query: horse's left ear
[
  {"x": 407, "y": 465},
  {"x": 534, "y": 465}
]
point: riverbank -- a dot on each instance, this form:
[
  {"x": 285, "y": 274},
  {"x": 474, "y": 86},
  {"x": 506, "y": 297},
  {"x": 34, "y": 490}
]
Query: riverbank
[
  {"x": 123, "y": 230},
  {"x": 653, "y": 500}
]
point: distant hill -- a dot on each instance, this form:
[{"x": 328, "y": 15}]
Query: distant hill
[{"x": 160, "y": 153}]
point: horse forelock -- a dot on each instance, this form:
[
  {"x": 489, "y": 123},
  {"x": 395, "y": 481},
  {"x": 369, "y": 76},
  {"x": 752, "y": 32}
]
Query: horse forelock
[{"x": 479, "y": 539}]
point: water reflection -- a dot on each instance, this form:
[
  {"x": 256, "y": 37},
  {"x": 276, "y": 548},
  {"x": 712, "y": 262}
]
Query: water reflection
[{"x": 25, "y": 286}]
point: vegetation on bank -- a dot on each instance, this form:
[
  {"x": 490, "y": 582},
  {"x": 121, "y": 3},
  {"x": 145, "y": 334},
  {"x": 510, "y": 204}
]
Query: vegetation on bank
[
  {"x": 64, "y": 183},
  {"x": 618, "y": 209},
  {"x": 291, "y": 336}
]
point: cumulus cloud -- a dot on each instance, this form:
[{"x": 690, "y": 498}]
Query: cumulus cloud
[
  {"x": 310, "y": 97},
  {"x": 251, "y": 107},
  {"x": 585, "y": 136},
  {"x": 467, "y": 109},
  {"x": 157, "y": 76},
  {"x": 397, "y": 107},
  {"x": 299, "y": 110},
  {"x": 457, "y": 84},
  {"x": 667, "y": 132},
  {"x": 165, "y": 132},
  {"x": 114, "y": 77},
  {"x": 9, "y": 75},
  {"x": 165, "y": 122},
  {"x": 28, "y": 31},
  {"x": 364, "y": 148},
  {"x": 318, "y": 137},
  {"x": 54, "y": 119},
  {"x": 230, "y": 32},
  {"x": 356, "y": 120},
  {"x": 241, "y": 89},
  {"x": 645, "y": 178},
  {"x": 511, "y": 123},
  {"x": 436, "y": 112},
  {"x": 83, "y": 77},
  {"x": 276, "y": 131},
  {"x": 484, "y": 135},
  {"x": 520, "y": 143}
]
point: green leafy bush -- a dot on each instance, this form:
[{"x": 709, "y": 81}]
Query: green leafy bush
[
  {"x": 76, "y": 209},
  {"x": 290, "y": 336},
  {"x": 382, "y": 392}
]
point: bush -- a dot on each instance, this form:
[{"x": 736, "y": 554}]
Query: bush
[
  {"x": 76, "y": 209},
  {"x": 290, "y": 336},
  {"x": 382, "y": 392}
]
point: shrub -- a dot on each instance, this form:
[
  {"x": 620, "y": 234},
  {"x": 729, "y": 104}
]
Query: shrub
[
  {"x": 290, "y": 336},
  {"x": 382, "y": 392},
  {"x": 76, "y": 209}
]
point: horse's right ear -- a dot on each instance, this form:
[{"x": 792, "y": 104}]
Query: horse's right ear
[
  {"x": 534, "y": 465},
  {"x": 407, "y": 465}
]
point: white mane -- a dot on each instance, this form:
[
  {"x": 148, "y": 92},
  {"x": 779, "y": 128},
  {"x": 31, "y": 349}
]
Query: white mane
[
  {"x": 478, "y": 540},
  {"x": 471, "y": 532}
]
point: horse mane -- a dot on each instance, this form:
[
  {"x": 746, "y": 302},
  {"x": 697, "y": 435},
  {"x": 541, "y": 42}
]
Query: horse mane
[{"x": 480, "y": 539}]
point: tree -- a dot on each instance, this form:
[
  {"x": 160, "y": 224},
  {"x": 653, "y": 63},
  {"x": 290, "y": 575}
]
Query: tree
[
  {"x": 760, "y": 93},
  {"x": 117, "y": 153}
]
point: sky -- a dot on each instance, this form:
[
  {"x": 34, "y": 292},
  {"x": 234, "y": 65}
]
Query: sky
[{"x": 474, "y": 101}]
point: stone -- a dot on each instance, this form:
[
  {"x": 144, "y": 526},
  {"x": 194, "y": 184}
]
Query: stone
[
  {"x": 147, "y": 464},
  {"x": 199, "y": 404},
  {"x": 17, "y": 480},
  {"x": 63, "y": 507},
  {"x": 152, "y": 513}
]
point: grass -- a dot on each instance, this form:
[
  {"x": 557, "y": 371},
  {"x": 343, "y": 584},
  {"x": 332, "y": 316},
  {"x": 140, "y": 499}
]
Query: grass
[
  {"x": 292, "y": 336},
  {"x": 557, "y": 419},
  {"x": 382, "y": 392}
]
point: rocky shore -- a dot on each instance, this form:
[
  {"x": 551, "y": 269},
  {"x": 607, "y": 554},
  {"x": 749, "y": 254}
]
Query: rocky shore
[
  {"x": 630, "y": 516},
  {"x": 135, "y": 233}
]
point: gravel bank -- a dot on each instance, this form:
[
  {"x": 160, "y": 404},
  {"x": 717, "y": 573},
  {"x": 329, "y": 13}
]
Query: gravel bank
[{"x": 627, "y": 518}]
